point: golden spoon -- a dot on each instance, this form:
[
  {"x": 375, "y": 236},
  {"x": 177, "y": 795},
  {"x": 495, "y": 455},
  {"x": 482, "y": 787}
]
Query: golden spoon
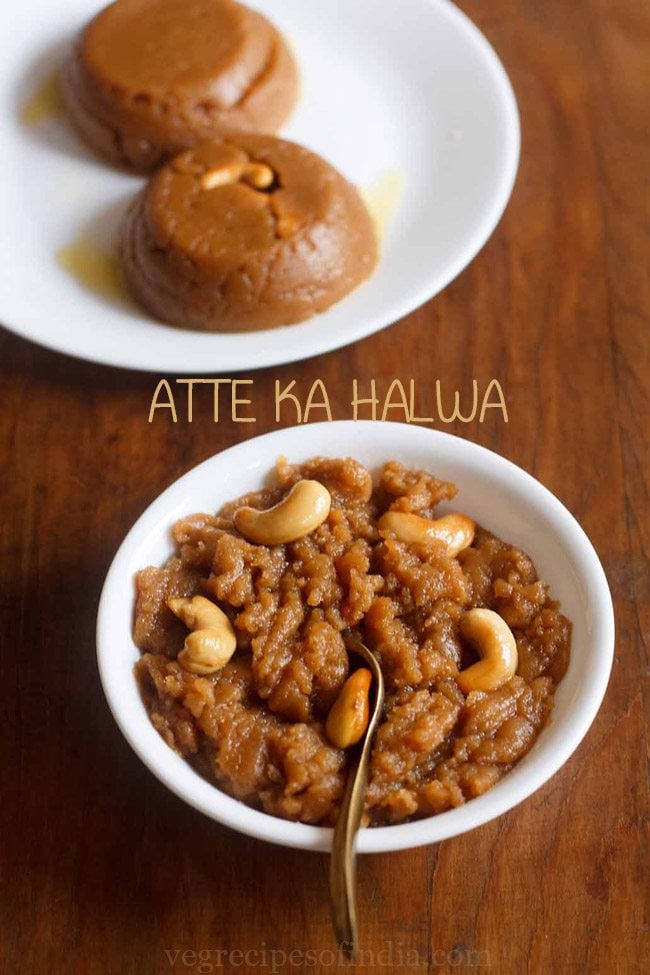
[{"x": 343, "y": 858}]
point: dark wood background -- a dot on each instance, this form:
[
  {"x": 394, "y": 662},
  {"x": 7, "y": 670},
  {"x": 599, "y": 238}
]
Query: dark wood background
[{"x": 103, "y": 870}]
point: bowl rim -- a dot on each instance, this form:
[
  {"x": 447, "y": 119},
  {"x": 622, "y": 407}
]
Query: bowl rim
[{"x": 174, "y": 772}]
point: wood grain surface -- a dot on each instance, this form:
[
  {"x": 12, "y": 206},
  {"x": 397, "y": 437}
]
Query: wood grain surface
[{"x": 103, "y": 871}]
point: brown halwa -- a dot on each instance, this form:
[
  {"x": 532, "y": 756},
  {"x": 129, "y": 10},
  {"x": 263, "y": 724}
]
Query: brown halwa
[{"x": 256, "y": 727}]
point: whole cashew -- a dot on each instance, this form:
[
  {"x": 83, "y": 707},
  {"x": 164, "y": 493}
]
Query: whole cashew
[
  {"x": 456, "y": 530},
  {"x": 258, "y": 175},
  {"x": 495, "y": 642},
  {"x": 305, "y": 507},
  {"x": 212, "y": 641},
  {"x": 349, "y": 716},
  {"x": 222, "y": 175}
]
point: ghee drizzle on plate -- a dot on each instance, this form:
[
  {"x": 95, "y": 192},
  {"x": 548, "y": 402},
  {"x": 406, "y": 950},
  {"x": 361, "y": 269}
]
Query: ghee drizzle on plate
[{"x": 46, "y": 102}]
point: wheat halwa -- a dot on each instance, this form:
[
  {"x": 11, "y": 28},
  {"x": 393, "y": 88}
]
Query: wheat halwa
[{"x": 256, "y": 726}]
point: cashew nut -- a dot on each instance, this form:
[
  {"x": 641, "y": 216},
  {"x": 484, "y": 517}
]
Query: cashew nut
[
  {"x": 348, "y": 718},
  {"x": 222, "y": 175},
  {"x": 212, "y": 641},
  {"x": 305, "y": 507},
  {"x": 456, "y": 530},
  {"x": 495, "y": 642},
  {"x": 258, "y": 175}
]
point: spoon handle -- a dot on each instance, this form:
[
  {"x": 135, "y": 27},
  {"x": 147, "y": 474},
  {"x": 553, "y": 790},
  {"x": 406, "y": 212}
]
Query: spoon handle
[
  {"x": 343, "y": 858},
  {"x": 343, "y": 864}
]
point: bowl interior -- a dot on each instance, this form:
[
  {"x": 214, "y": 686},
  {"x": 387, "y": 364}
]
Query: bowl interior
[{"x": 500, "y": 496}]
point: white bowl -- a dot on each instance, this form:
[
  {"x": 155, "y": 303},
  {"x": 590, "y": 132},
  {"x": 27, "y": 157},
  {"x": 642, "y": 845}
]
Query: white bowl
[{"x": 497, "y": 494}]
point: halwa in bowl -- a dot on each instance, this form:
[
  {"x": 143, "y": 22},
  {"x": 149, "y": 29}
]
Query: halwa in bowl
[{"x": 449, "y": 755}]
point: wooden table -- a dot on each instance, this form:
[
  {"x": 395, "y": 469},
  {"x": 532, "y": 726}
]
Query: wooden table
[{"x": 103, "y": 870}]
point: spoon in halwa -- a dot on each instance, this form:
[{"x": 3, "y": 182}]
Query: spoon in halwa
[{"x": 343, "y": 857}]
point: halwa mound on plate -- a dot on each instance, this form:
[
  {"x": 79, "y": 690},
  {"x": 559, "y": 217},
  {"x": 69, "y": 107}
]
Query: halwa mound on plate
[{"x": 149, "y": 78}]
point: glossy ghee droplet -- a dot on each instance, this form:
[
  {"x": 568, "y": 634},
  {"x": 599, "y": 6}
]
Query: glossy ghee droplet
[
  {"x": 382, "y": 198},
  {"x": 94, "y": 268},
  {"x": 46, "y": 102}
]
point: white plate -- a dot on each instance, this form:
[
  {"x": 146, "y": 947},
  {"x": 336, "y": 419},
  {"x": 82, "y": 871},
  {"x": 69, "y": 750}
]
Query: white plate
[
  {"x": 499, "y": 495},
  {"x": 406, "y": 92}
]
